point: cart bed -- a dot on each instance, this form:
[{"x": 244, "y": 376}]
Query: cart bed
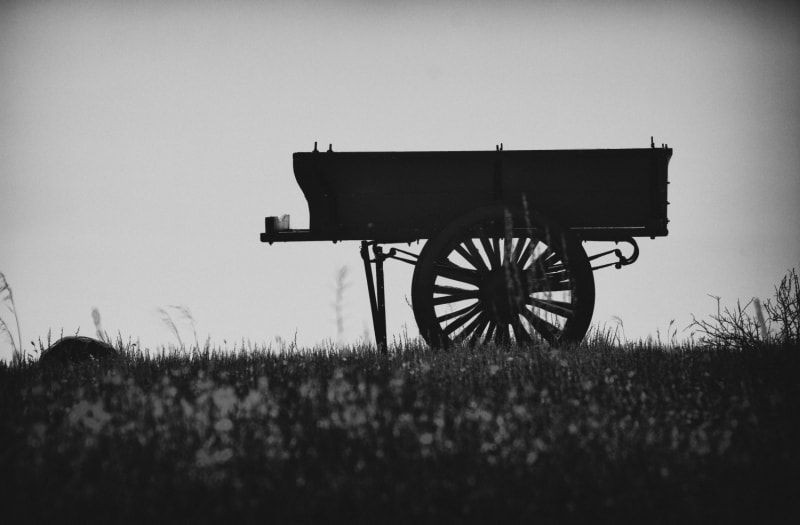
[{"x": 608, "y": 194}]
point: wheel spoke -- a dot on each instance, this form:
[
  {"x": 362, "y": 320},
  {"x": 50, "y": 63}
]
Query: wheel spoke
[
  {"x": 507, "y": 260},
  {"x": 518, "y": 249},
  {"x": 452, "y": 298},
  {"x": 489, "y": 332},
  {"x": 558, "y": 275},
  {"x": 476, "y": 334},
  {"x": 494, "y": 257},
  {"x": 527, "y": 253},
  {"x": 553, "y": 262},
  {"x": 547, "y": 284},
  {"x": 521, "y": 335},
  {"x": 450, "y": 270},
  {"x": 547, "y": 330},
  {"x": 466, "y": 255},
  {"x": 472, "y": 326},
  {"x": 450, "y": 290},
  {"x": 540, "y": 261},
  {"x": 472, "y": 248},
  {"x": 469, "y": 251},
  {"x": 501, "y": 334},
  {"x": 451, "y": 315},
  {"x": 496, "y": 246},
  {"x": 556, "y": 268},
  {"x": 458, "y": 323},
  {"x": 556, "y": 307}
]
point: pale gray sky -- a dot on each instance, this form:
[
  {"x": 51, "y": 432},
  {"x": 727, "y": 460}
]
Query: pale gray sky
[{"x": 141, "y": 145}]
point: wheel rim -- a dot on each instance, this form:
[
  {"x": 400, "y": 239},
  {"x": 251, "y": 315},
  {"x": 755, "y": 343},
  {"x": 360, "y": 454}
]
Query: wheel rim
[{"x": 502, "y": 277}]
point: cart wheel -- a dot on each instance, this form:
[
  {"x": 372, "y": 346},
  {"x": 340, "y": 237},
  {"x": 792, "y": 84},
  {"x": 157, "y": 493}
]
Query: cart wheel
[{"x": 502, "y": 276}]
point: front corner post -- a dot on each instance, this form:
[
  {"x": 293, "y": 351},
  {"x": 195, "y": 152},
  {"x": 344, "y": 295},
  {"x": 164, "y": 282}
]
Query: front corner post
[
  {"x": 380, "y": 335},
  {"x": 376, "y": 301}
]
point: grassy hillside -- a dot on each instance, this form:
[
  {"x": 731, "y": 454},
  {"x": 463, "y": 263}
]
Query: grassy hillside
[{"x": 633, "y": 432}]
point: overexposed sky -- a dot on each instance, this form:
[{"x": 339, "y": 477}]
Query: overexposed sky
[{"x": 142, "y": 143}]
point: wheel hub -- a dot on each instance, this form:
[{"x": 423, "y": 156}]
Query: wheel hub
[{"x": 503, "y": 294}]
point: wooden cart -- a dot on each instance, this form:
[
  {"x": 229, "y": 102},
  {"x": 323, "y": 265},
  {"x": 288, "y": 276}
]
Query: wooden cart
[{"x": 503, "y": 260}]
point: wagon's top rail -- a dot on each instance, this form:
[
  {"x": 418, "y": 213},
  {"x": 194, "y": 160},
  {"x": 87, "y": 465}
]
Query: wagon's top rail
[{"x": 600, "y": 194}]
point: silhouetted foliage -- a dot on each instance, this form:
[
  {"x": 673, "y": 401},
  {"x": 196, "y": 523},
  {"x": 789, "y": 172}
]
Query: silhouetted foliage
[{"x": 638, "y": 434}]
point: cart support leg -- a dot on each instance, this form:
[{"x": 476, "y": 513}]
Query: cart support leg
[
  {"x": 376, "y": 301},
  {"x": 380, "y": 337}
]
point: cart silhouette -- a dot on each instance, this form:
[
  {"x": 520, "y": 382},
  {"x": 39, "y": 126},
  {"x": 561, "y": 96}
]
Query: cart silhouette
[{"x": 503, "y": 260}]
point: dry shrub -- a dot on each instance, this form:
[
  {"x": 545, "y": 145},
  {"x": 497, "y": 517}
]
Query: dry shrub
[
  {"x": 785, "y": 311},
  {"x": 737, "y": 327}
]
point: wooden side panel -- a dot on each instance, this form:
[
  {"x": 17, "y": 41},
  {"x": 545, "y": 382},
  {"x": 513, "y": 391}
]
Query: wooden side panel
[{"x": 399, "y": 195}]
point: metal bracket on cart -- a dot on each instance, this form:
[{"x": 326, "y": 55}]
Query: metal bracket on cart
[
  {"x": 621, "y": 259},
  {"x": 377, "y": 298}
]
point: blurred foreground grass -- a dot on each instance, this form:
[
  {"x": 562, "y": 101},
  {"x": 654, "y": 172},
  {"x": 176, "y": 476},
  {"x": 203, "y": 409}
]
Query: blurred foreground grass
[{"x": 639, "y": 432}]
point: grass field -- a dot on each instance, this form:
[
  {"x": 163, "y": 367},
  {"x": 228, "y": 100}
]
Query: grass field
[{"x": 599, "y": 432}]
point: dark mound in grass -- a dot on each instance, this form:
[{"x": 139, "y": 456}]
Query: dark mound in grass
[{"x": 76, "y": 349}]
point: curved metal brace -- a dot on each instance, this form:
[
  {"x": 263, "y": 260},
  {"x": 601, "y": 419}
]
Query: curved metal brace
[
  {"x": 411, "y": 258},
  {"x": 621, "y": 259}
]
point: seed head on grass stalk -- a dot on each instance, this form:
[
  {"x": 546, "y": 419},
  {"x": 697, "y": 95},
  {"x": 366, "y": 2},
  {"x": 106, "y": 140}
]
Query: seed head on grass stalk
[
  {"x": 186, "y": 315},
  {"x": 338, "y": 302},
  {"x": 98, "y": 326},
  {"x": 167, "y": 319},
  {"x": 4, "y": 329},
  {"x": 8, "y": 298}
]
